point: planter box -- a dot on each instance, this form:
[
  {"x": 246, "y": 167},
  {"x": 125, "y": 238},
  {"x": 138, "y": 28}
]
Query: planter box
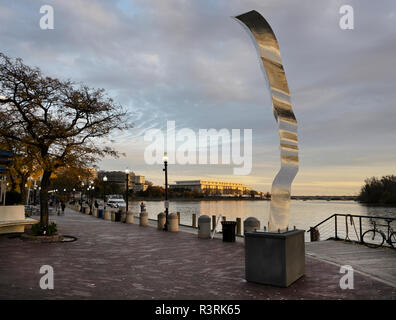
[{"x": 276, "y": 259}]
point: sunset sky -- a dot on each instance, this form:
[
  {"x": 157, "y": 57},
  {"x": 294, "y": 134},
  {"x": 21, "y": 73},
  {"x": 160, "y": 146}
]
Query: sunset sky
[{"x": 192, "y": 63}]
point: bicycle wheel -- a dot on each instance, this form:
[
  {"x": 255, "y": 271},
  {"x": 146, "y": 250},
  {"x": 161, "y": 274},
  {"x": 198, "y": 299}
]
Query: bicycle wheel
[
  {"x": 373, "y": 238},
  {"x": 392, "y": 239}
]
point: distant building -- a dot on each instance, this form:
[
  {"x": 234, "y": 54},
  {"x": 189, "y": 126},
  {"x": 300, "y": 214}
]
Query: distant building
[
  {"x": 212, "y": 187},
  {"x": 135, "y": 182}
]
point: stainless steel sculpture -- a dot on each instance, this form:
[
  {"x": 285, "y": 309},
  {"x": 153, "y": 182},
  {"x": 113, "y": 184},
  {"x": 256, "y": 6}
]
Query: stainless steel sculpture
[{"x": 270, "y": 56}]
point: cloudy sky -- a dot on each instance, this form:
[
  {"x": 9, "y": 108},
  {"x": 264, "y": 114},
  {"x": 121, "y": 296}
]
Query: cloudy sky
[{"x": 189, "y": 61}]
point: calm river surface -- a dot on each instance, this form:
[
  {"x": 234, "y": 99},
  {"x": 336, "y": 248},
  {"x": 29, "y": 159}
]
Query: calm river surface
[{"x": 303, "y": 214}]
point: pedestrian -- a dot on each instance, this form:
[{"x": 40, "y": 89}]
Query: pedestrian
[
  {"x": 57, "y": 207},
  {"x": 63, "y": 208},
  {"x": 142, "y": 207}
]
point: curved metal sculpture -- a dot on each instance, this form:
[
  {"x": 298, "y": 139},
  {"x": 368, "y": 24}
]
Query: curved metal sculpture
[{"x": 283, "y": 112}]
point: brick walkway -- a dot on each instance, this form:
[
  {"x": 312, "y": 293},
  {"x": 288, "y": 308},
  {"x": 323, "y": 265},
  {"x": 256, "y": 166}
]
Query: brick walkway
[{"x": 118, "y": 261}]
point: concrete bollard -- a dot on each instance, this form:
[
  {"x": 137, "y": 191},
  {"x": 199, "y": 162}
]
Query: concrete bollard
[
  {"x": 178, "y": 217},
  {"x": 143, "y": 219},
  {"x": 95, "y": 212},
  {"x": 194, "y": 220},
  {"x": 239, "y": 226},
  {"x": 251, "y": 224},
  {"x": 107, "y": 215},
  {"x": 161, "y": 219},
  {"x": 113, "y": 216},
  {"x": 173, "y": 226},
  {"x": 123, "y": 216},
  {"x": 129, "y": 217},
  {"x": 204, "y": 227}
]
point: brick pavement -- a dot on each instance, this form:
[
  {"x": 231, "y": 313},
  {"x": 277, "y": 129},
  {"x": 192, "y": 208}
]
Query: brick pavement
[{"x": 117, "y": 261}]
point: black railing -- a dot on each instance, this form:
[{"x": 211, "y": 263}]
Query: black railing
[{"x": 353, "y": 228}]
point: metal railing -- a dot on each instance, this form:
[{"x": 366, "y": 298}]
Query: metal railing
[{"x": 350, "y": 227}]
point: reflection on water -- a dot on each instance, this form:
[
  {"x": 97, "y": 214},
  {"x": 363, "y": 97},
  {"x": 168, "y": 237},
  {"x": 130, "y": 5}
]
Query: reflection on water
[{"x": 304, "y": 214}]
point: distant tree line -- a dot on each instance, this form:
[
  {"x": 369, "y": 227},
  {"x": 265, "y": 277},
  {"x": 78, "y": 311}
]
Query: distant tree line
[{"x": 379, "y": 191}]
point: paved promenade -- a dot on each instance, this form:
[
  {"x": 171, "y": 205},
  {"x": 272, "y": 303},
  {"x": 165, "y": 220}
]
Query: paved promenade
[{"x": 112, "y": 260}]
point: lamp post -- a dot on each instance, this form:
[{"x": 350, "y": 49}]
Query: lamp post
[
  {"x": 82, "y": 195},
  {"x": 82, "y": 190},
  {"x": 166, "y": 190},
  {"x": 126, "y": 188},
  {"x": 104, "y": 192}
]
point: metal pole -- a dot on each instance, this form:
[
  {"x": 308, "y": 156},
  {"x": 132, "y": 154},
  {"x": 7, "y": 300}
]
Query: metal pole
[
  {"x": 166, "y": 195},
  {"x": 126, "y": 195},
  {"x": 360, "y": 231},
  {"x": 335, "y": 226},
  {"x": 104, "y": 196}
]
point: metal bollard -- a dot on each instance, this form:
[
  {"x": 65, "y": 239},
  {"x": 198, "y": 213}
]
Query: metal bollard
[
  {"x": 213, "y": 222},
  {"x": 204, "y": 227},
  {"x": 143, "y": 219},
  {"x": 129, "y": 217},
  {"x": 161, "y": 219},
  {"x": 173, "y": 226},
  {"x": 178, "y": 217},
  {"x": 194, "y": 220},
  {"x": 239, "y": 226}
]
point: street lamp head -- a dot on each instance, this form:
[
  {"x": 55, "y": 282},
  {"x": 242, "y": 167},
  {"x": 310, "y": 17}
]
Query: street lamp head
[
  {"x": 93, "y": 188},
  {"x": 82, "y": 183},
  {"x": 64, "y": 190},
  {"x": 74, "y": 189},
  {"x": 127, "y": 171},
  {"x": 165, "y": 158},
  {"x": 104, "y": 178}
]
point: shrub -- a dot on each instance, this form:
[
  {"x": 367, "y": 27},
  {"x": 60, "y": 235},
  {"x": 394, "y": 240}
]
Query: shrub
[{"x": 39, "y": 230}]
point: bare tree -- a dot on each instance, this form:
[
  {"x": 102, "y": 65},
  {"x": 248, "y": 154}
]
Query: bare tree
[{"x": 60, "y": 123}]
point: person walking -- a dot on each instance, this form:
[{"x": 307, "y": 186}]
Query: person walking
[
  {"x": 57, "y": 207},
  {"x": 63, "y": 206}
]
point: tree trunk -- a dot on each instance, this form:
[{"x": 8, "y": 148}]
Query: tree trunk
[
  {"x": 23, "y": 189},
  {"x": 45, "y": 181}
]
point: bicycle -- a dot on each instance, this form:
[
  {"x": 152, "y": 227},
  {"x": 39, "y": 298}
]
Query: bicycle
[{"x": 375, "y": 238}]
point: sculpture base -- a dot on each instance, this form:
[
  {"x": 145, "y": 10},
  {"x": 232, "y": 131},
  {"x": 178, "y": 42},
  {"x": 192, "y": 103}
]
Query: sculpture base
[{"x": 276, "y": 259}]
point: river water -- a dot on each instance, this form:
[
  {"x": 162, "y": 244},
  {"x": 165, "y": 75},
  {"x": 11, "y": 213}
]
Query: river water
[{"x": 303, "y": 214}]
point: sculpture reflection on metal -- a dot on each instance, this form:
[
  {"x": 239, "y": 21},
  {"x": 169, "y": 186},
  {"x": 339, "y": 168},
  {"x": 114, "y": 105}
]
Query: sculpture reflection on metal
[{"x": 283, "y": 112}]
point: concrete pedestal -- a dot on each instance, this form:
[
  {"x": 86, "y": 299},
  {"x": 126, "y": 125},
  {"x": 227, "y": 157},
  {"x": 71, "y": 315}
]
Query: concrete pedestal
[
  {"x": 276, "y": 259},
  {"x": 129, "y": 217},
  {"x": 173, "y": 225},
  {"x": 143, "y": 219},
  {"x": 204, "y": 227},
  {"x": 107, "y": 215},
  {"x": 161, "y": 219}
]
